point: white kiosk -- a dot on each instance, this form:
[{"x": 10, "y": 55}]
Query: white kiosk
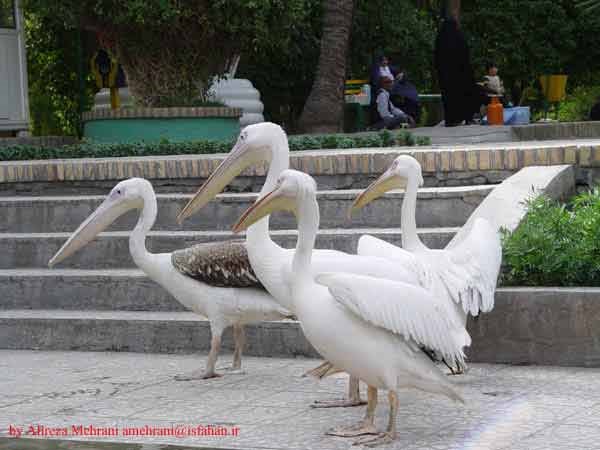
[{"x": 14, "y": 105}]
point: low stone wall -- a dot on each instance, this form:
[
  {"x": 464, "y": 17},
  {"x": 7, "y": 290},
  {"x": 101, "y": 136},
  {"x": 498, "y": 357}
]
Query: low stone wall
[
  {"x": 551, "y": 131},
  {"x": 154, "y": 124},
  {"x": 333, "y": 169},
  {"x": 550, "y": 326}
]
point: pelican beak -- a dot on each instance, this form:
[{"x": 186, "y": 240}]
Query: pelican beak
[
  {"x": 108, "y": 211},
  {"x": 386, "y": 182},
  {"x": 238, "y": 159},
  {"x": 273, "y": 201}
]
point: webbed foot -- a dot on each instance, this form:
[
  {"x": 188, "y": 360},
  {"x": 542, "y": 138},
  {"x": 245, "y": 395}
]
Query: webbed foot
[
  {"x": 358, "y": 429},
  {"x": 380, "y": 438},
  {"x": 338, "y": 403},
  {"x": 197, "y": 376}
]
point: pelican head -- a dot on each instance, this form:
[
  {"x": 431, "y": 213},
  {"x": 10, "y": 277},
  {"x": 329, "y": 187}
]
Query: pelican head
[
  {"x": 404, "y": 170},
  {"x": 127, "y": 195},
  {"x": 291, "y": 187},
  {"x": 254, "y": 145}
]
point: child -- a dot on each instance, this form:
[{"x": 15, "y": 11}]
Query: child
[{"x": 492, "y": 82}]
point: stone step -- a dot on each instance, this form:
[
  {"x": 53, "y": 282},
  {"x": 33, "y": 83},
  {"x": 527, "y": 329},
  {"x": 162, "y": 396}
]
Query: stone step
[
  {"x": 567, "y": 336},
  {"x": 73, "y": 289},
  {"x": 111, "y": 249},
  {"x": 145, "y": 332},
  {"x": 435, "y": 207}
]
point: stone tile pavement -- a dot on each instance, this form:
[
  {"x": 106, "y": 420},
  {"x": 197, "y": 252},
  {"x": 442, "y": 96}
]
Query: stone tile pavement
[{"x": 507, "y": 407}]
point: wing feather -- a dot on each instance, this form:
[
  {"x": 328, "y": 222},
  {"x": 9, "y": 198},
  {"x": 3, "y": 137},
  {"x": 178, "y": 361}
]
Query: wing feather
[
  {"x": 219, "y": 264},
  {"x": 469, "y": 270},
  {"x": 402, "y": 308}
]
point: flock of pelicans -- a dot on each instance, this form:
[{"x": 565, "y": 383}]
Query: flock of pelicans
[{"x": 383, "y": 315}]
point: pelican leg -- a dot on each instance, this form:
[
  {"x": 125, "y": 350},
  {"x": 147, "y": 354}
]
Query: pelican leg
[
  {"x": 365, "y": 426},
  {"x": 216, "y": 330},
  {"x": 239, "y": 339},
  {"x": 353, "y": 398},
  {"x": 390, "y": 434}
]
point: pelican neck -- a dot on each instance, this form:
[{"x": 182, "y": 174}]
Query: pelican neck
[
  {"x": 410, "y": 238},
  {"x": 258, "y": 233}
]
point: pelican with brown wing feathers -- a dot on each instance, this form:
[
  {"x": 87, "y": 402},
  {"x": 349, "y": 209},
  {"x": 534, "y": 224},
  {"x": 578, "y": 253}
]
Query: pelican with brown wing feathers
[{"x": 214, "y": 280}]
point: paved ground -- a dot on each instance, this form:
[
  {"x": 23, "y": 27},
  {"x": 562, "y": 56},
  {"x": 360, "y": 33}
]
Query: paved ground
[{"x": 508, "y": 407}]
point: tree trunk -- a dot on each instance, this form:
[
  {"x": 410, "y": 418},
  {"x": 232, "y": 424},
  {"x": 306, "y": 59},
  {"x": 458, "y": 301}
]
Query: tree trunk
[
  {"x": 453, "y": 8},
  {"x": 324, "y": 108}
]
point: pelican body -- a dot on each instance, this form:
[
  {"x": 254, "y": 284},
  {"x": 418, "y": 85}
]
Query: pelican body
[
  {"x": 465, "y": 273},
  {"x": 267, "y": 142},
  {"x": 214, "y": 280},
  {"x": 375, "y": 338}
]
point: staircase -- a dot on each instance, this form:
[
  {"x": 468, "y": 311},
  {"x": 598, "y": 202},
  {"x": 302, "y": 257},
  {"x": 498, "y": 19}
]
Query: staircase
[{"x": 98, "y": 300}]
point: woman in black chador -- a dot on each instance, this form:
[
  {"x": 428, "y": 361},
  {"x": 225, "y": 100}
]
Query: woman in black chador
[{"x": 460, "y": 94}]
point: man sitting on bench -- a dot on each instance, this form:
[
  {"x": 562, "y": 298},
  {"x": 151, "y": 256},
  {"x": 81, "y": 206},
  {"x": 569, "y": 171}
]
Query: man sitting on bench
[{"x": 388, "y": 116}]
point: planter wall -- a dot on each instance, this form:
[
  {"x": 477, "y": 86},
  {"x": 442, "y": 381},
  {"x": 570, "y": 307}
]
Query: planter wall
[{"x": 156, "y": 124}]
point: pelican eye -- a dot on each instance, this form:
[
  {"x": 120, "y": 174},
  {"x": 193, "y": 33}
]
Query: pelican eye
[{"x": 119, "y": 191}]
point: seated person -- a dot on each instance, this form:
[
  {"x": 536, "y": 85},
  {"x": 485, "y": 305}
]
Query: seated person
[
  {"x": 381, "y": 68},
  {"x": 492, "y": 84},
  {"x": 595, "y": 111},
  {"x": 388, "y": 115},
  {"x": 404, "y": 95}
]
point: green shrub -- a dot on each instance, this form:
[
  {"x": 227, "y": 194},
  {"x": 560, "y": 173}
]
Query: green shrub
[
  {"x": 87, "y": 149},
  {"x": 578, "y": 103},
  {"x": 555, "y": 245}
]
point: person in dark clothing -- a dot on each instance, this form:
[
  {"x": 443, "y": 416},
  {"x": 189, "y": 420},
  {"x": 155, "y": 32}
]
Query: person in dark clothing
[
  {"x": 595, "y": 111},
  {"x": 461, "y": 96},
  {"x": 381, "y": 68},
  {"x": 404, "y": 95},
  {"x": 388, "y": 116}
]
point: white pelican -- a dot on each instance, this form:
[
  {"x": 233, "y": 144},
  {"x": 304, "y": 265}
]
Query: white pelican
[
  {"x": 465, "y": 273},
  {"x": 213, "y": 279},
  {"x": 268, "y": 142},
  {"x": 369, "y": 327}
]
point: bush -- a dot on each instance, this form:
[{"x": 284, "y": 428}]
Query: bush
[
  {"x": 94, "y": 150},
  {"x": 555, "y": 245},
  {"x": 578, "y": 103}
]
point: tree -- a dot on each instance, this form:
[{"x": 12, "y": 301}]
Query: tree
[
  {"x": 323, "y": 111},
  {"x": 169, "y": 49}
]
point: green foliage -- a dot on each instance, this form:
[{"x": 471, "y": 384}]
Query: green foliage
[
  {"x": 398, "y": 29},
  {"x": 525, "y": 39},
  {"x": 555, "y": 245},
  {"x": 201, "y": 147},
  {"x": 528, "y": 39},
  {"x": 284, "y": 73},
  {"x": 282, "y": 68},
  {"x": 578, "y": 103},
  {"x": 54, "y": 91},
  {"x": 170, "y": 48}
]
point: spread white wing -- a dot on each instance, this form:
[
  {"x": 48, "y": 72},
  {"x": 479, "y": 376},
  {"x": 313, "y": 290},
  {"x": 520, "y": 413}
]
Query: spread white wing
[
  {"x": 469, "y": 270},
  {"x": 466, "y": 271},
  {"x": 404, "y": 309}
]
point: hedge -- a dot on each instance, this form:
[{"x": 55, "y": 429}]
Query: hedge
[
  {"x": 84, "y": 149},
  {"x": 555, "y": 244}
]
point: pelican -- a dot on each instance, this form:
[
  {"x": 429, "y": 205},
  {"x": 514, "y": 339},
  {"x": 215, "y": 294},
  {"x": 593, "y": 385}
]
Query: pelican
[
  {"x": 214, "y": 279},
  {"x": 464, "y": 273},
  {"x": 369, "y": 327},
  {"x": 268, "y": 142}
]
